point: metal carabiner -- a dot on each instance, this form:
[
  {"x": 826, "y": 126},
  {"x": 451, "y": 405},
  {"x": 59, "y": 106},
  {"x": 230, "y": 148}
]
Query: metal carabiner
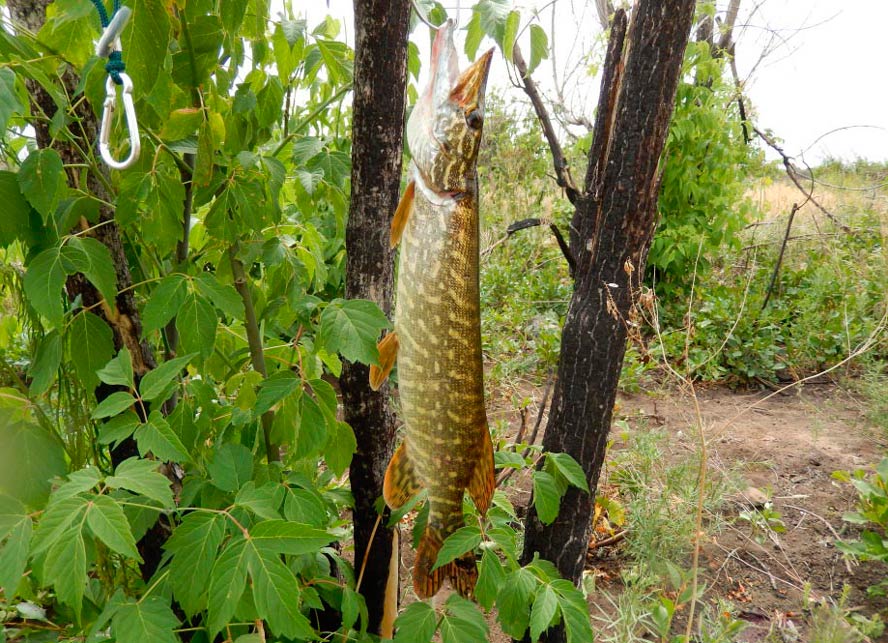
[
  {"x": 110, "y": 42},
  {"x": 132, "y": 125}
]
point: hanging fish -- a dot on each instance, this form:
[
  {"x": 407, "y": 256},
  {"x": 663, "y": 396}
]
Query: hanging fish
[{"x": 437, "y": 337}]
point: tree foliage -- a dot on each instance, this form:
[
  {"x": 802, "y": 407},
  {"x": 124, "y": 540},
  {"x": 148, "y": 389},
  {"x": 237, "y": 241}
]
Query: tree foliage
[{"x": 232, "y": 224}]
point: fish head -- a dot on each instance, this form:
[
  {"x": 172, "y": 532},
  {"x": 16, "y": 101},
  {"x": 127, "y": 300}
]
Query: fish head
[{"x": 444, "y": 129}]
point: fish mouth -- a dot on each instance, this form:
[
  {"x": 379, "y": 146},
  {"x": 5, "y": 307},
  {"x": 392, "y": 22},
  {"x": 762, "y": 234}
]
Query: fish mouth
[{"x": 470, "y": 87}]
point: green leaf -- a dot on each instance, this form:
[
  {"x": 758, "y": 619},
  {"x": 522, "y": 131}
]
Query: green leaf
[
  {"x": 113, "y": 404},
  {"x": 459, "y": 542},
  {"x": 274, "y": 389},
  {"x": 156, "y": 381},
  {"x": 29, "y": 458},
  {"x": 91, "y": 345},
  {"x": 474, "y": 35},
  {"x": 145, "y": 41},
  {"x": 93, "y": 259},
  {"x": 119, "y": 428},
  {"x": 574, "y": 612},
  {"x": 142, "y": 477},
  {"x": 306, "y": 506},
  {"x": 514, "y": 600},
  {"x": 9, "y": 101},
  {"x": 194, "y": 544},
  {"x": 55, "y": 523},
  {"x": 227, "y": 583},
  {"x": 223, "y": 296},
  {"x": 510, "y": 33},
  {"x": 539, "y": 47},
  {"x": 546, "y": 497},
  {"x": 231, "y": 467},
  {"x": 43, "y": 284},
  {"x": 118, "y": 371},
  {"x": 462, "y": 622},
  {"x": 351, "y": 604},
  {"x": 341, "y": 446},
  {"x": 108, "y": 522},
  {"x": 65, "y": 564},
  {"x": 14, "y": 224},
  {"x": 42, "y": 180},
  {"x": 283, "y": 537},
  {"x": 351, "y": 327},
  {"x": 164, "y": 303},
  {"x": 148, "y": 619},
  {"x": 181, "y": 123},
  {"x": 490, "y": 578},
  {"x": 570, "y": 469},
  {"x": 260, "y": 500},
  {"x": 15, "y": 527},
  {"x": 545, "y": 608},
  {"x": 77, "y": 482},
  {"x": 335, "y": 55},
  {"x": 156, "y": 436},
  {"x": 196, "y": 323},
  {"x": 416, "y": 624},
  {"x": 276, "y": 595},
  {"x": 306, "y": 148},
  {"x": 46, "y": 363}
]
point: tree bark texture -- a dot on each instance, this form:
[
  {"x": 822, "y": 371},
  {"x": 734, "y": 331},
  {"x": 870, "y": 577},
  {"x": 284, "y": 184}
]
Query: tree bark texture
[
  {"x": 124, "y": 318},
  {"x": 610, "y": 235},
  {"x": 381, "y": 28}
]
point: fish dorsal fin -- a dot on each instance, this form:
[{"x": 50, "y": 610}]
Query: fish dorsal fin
[
  {"x": 400, "y": 483},
  {"x": 388, "y": 353},
  {"x": 402, "y": 213},
  {"x": 483, "y": 482}
]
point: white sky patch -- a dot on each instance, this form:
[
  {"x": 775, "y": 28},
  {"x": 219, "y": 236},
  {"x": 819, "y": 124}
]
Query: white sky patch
[{"x": 825, "y": 71}]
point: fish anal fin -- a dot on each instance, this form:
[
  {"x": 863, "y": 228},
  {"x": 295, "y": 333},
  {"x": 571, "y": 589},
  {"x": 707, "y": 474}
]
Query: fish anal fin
[
  {"x": 402, "y": 213},
  {"x": 483, "y": 482},
  {"x": 400, "y": 483},
  {"x": 463, "y": 574},
  {"x": 426, "y": 579},
  {"x": 388, "y": 353}
]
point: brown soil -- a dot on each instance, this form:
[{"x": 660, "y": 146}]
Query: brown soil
[{"x": 786, "y": 446}]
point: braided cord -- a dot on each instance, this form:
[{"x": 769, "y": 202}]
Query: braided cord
[{"x": 115, "y": 65}]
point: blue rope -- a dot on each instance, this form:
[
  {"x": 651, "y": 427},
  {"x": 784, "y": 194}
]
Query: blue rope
[{"x": 115, "y": 65}]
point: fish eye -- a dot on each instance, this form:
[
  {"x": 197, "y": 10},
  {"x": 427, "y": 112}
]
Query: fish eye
[{"x": 474, "y": 119}]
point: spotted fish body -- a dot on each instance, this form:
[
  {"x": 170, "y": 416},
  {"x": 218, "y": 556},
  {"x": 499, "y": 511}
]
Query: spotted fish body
[{"x": 447, "y": 448}]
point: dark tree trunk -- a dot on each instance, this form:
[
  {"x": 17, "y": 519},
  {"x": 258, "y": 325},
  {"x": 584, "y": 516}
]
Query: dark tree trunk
[
  {"x": 381, "y": 28},
  {"x": 124, "y": 319},
  {"x": 611, "y": 232}
]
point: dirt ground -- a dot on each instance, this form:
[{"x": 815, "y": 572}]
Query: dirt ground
[{"x": 785, "y": 446}]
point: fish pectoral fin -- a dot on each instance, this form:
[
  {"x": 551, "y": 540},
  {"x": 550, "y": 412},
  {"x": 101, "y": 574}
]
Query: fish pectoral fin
[
  {"x": 402, "y": 213},
  {"x": 388, "y": 353},
  {"x": 400, "y": 483},
  {"x": 483, "y": 482},
  {"x": 462, "y": 572}
]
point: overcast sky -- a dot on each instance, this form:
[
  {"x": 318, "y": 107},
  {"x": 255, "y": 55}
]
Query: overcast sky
[{"x": 825, "y": 68}]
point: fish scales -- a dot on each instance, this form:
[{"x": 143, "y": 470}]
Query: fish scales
[{"x": 437, "y": 338}]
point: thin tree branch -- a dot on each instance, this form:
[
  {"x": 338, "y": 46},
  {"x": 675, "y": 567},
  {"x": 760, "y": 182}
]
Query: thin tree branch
[
  {"x": 562, "y": 171},
  {"x": 793, "y": 173},
  {"x": 795, "y": 208},
  {"x": 254, "y": 339}
]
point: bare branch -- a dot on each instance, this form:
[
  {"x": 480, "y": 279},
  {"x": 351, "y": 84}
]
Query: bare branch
[
  {"x": 794, "y": 174},
  {"x": 562, "y": 172}
]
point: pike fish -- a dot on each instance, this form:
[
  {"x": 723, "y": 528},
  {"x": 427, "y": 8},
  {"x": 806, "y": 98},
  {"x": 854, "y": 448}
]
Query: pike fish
[{"x": 437, "y": 337}]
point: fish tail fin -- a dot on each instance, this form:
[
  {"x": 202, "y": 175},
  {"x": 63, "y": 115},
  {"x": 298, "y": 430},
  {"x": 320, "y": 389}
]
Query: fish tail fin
[
  {"x": 388, "y": 353},
  {"x": 483, "y": 482},
  {"x": 426, "y": 579},
  {"x": 462, "y": 572},
  {"x": 400, "y": 483}
]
